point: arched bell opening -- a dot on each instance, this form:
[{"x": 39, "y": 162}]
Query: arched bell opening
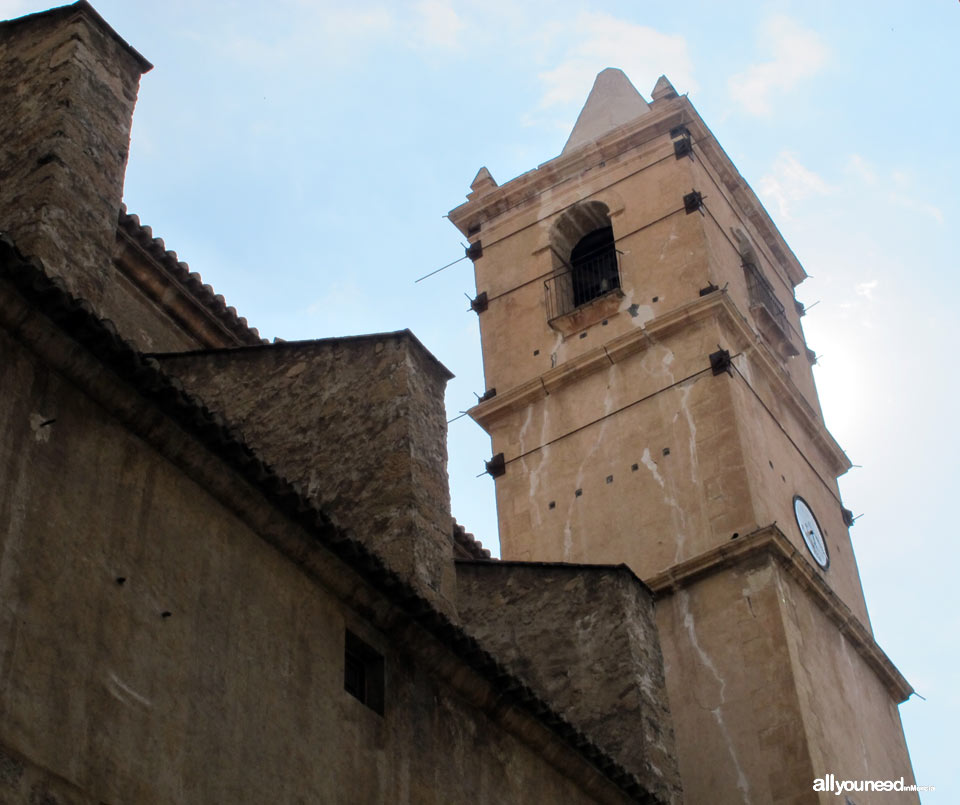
[{"x": 585, "y": 258}]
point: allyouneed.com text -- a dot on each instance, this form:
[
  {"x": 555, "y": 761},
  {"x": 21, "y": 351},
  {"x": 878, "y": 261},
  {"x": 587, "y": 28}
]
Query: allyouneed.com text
[{"x": 831, "y": 784}]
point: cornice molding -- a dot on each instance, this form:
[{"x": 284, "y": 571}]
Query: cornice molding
[
  {"x": 718, "y": 305},
  {"x": 514, "y": 195},
  {"x": 771, "y": 541}
]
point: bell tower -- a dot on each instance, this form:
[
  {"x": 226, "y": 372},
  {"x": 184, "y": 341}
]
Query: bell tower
[{"x": 650, "y": 401}]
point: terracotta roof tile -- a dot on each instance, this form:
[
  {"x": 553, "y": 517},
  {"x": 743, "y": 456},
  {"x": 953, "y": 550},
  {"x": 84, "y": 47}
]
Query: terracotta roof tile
[
  {"x": 191, "y": 281},
  {"x": 467, "y": 546}
]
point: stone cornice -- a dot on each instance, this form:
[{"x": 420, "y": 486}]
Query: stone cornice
[
  {"x": 527, "y": 187},
  {"x": 771, "y": 541},
  {"x": 717, "y": 305}
]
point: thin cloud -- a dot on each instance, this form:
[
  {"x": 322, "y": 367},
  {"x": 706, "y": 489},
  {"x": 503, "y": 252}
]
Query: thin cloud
[
  {"x": 438, "y": 24},
  {"x": 891, "y": 188},
  {"x": 798, "y": 54},
  {"x": 788, "y": 182},
  {"x": 598, "y": 40},
  {"x": 277, "y": 46}
]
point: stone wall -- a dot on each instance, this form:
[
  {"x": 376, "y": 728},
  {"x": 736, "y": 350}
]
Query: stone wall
[
  {"x": 585, "y": 638},
  {"x": 167, "y": 635},
  {"x": 68, "y": 85},
  {"x": 358, "y": 424}
]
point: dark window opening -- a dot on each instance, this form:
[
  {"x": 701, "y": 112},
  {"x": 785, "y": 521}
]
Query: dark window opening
[
  {"x": 593, "y": 265},
  {"x": 363, "y": 672}
]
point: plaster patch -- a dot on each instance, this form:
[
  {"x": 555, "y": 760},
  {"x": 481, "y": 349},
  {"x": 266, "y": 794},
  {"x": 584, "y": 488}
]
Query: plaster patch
[
  {"x": 758, "y": 580},
  {"x": 670, "y": 238},
  {"x": 639, "y": 314},
  {"x": 40, "y": 425},
  {"x": 743, "y": 366}
]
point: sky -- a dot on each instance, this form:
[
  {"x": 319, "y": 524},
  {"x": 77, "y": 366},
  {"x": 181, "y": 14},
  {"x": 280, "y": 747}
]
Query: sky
[{"x": 302, "y": 155}]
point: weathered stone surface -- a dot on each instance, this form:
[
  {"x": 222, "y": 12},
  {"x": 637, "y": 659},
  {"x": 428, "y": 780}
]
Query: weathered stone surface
[
  {"x": 359, "y": 425},
  {"x": 157, "y": 646},
  {"x": 68, "y": 85},
  {"x": 584, "y": 637}
]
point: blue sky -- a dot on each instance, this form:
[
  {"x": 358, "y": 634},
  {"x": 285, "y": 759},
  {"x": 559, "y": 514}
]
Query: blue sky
[{"x": 301, "y": 157}]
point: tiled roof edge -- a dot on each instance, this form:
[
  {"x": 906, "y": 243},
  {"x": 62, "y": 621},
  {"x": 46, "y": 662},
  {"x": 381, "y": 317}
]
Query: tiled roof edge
[
  {"x": 468, "y": 543},
  {"x": 77, "y": 319},
  {"x": 191, "y": 281}
]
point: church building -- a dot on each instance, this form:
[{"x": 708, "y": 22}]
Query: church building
[{"x": 228, "y": 567}]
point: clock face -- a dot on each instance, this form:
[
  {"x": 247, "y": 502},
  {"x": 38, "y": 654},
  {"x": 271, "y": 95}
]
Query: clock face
[{"x": 810, "y": 529}]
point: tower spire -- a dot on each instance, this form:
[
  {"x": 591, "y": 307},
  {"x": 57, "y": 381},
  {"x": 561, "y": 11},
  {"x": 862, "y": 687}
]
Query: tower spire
[{"x": 612, "y": 102}]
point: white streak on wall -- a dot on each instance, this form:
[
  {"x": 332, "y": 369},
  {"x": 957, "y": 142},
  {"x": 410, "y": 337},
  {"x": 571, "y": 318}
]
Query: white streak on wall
[
  {"x": 684, "y": 399},
  {"x": 609, "y": 403},
  {"x": 680, "y": 519},
  {"x": 124, "y": 693},
  {"x": 683, "y": 598},
  {"x": 670, "y": 238},
  {"x": 651, "y": 465}
]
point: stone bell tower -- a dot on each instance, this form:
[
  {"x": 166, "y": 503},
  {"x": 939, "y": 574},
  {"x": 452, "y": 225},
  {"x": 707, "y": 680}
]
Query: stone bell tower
[{"x": 650, "y": 401}]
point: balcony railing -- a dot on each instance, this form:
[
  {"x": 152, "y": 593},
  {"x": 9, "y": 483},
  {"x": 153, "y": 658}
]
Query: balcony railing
[
  {"x": 761, "y": 293},
  {"x": 585, "y": 281}
]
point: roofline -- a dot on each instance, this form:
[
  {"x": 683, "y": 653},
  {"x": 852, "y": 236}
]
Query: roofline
[
  {"x": 82, "y": 6},
  {"x": 526, "y": 188},
  {"x": 574, "y": 566},
  {"x": 157, "y": 261},
  {"x": 405, "y": 334},
  {"x": 76, "y": 319}
]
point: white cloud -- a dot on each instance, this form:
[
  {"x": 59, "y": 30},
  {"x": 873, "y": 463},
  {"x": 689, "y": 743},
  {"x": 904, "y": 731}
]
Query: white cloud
[
  {"x": 865, "y": 289},
  {"x": 909, "y": 203},
  {"x": 860, "y": 169},
  {"x": 437, "y": 23},
  {"x": 891, "y": 188},
  {"x": 798, "y": 53},
  {"x": 597, "y": 41},
  {"x": 788, "y": 181},
  {"x": 333, "y": 34}
]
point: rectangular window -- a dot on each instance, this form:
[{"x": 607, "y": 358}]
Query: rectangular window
[{"x": 363, "y": 672}]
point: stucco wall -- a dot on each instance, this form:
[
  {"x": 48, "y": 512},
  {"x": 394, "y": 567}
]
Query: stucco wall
[
  {"x": 659, "y": 481},
  {"x": 155, "y": 648},
  {"x": 739, "y": 725},
  {"x": 846, "y": 706}
]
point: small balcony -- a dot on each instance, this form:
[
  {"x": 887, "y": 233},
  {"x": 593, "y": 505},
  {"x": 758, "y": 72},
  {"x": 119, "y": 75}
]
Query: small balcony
[
  {"x": 585, "y": 281},
  {"x": 768, "y": 309}
]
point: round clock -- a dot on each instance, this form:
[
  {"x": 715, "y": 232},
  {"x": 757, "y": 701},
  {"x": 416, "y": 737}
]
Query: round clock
[{"x": 810, "y": 529}]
